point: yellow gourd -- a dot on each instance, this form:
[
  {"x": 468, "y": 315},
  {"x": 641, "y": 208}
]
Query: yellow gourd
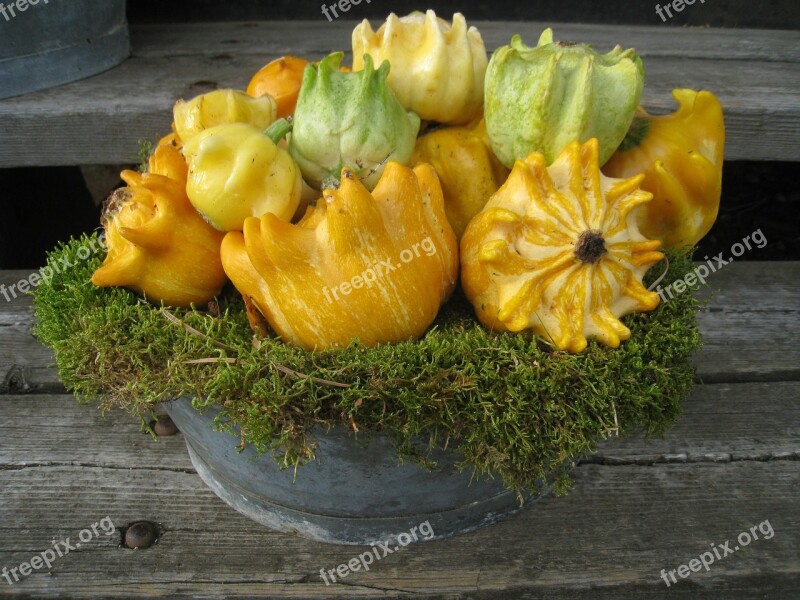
[
  {"x": 222, "y": 107},
  {"x": 681, "y": 157},
  {"x": 557, "y": 250},
  {"x": 238, "y": 171},
  {"x": 468, "y": 169},
  {"x": 158, "y": 245},
  {"x": 372, "y": 266}
]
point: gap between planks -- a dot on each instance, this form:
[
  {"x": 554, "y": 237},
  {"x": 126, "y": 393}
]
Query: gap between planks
[{"x": 757, "y": 422}]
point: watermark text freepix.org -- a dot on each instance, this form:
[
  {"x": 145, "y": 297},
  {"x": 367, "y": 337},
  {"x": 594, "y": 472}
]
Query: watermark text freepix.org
[
  {"x": 379, "y": 550},
  {"x": 45, "y": 274},
  {"x": 720, "y": 551},
  {"x": 379, "y": 269},
  {"x": 14, "y": 8},
  {"x": 59, "y": 550},
  {"x": 344, "y": 6},
  {"x": 676, "y": 5},
  {"x": 713, "y": 265}
]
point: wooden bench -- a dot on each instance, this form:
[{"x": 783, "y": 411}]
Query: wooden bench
[
  {"x": 637, "y": 507},
  {"x": 100, "y": 120}
]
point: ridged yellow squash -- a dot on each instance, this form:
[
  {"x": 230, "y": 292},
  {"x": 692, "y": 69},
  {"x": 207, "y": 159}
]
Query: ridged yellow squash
[
  {"x": 681, "y": 156},
  {"x": 557, "y": 250},
  {"x": 157, "y": 243},
  {"x": 370, "y": 266}
]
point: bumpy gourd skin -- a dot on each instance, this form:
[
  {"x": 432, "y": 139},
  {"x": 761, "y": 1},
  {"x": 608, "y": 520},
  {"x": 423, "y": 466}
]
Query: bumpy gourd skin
[
  {"x": 542, "y": 98},
  {"x": 236, "y": 171},
  {"x": 376, "y": 267},
  {"x": 468, "y": 169},
  {"x": 681, "y": 157},
  {"x": 557, "y": 250},
  {"x": 221, "y": 107},
  {"x": 157, "y": 243},
  {"x": 438, "y": 69},
  {"x": 349, "y": 120}
]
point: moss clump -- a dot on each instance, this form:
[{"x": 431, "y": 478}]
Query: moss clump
[{"x": 508, "y": 403}]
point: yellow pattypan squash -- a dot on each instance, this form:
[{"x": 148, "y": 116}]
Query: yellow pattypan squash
[
  {"x": 372, "y": 266},
  {"x": 438, "y": 68},
  {"x": 681, "y": 156},
  {"x": 222, "y": 107},
  {"x": 238, "y": 171},
  {"x": 157, "y": 243},
  {"x": 557, "y": 250},
  {"x": 468, "y": 169},
  {"x": 167, "y": 159}
]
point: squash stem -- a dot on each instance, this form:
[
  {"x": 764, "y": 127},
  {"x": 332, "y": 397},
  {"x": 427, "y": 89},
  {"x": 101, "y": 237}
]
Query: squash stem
[
  {"x": 590, "y": 246},
  {"x": 278, "y": 130}
]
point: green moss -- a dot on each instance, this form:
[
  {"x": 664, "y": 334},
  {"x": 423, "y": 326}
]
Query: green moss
[
  {"x": 146, "y": 148},
  {"x": 507, "y": 402}
]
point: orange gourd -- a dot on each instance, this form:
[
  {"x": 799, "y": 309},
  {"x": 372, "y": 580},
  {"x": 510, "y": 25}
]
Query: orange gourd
[{"x": 370, "y": 266}]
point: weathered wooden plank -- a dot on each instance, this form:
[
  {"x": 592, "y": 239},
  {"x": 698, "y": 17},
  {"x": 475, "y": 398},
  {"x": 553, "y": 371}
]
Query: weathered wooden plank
[
  {"x": 609, "y": 538},
  {"x": 36, "y": 424},
  {"x": 25, "y": 364},
  {"x": 14, "y": 307},
  {"x": 101, "y": 119},
  {"x": 720, "y": 423},
  {"x": 749, "y": 330},
  {"x": 765, "y": 286},
  {"x": 320, "y": 37},
  {"x": 751, "y": 323},
  {"x": 748, "y": 346},
  {"x": 80, "y": 123}
]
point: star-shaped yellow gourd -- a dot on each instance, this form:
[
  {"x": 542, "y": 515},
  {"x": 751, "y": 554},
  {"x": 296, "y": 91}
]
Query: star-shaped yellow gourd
[{"x": 557, "y": 250}]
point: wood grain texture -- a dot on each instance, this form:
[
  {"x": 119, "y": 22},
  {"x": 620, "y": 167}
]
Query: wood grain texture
[
  {"x": 100, "y": 120},
  {"x": 279, "y": 37},
  {"x": 83, "y": 436},
  {"x": 720, "y": 423},
  {"x": 613, "y": 533}
]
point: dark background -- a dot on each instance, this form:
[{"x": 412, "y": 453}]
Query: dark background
[
  {"x": 45, "y": 205},
  {"x": 769, "y": 14}
]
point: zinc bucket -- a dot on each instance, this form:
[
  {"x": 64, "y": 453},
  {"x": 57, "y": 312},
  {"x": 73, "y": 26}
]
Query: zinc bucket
[
  {"x": 44, "y": 43},
  {"x": 355, "y": 491}
]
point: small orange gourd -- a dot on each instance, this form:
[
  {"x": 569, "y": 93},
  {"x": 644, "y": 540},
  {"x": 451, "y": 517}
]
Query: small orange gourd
[{"x": 280, "y": 79}]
